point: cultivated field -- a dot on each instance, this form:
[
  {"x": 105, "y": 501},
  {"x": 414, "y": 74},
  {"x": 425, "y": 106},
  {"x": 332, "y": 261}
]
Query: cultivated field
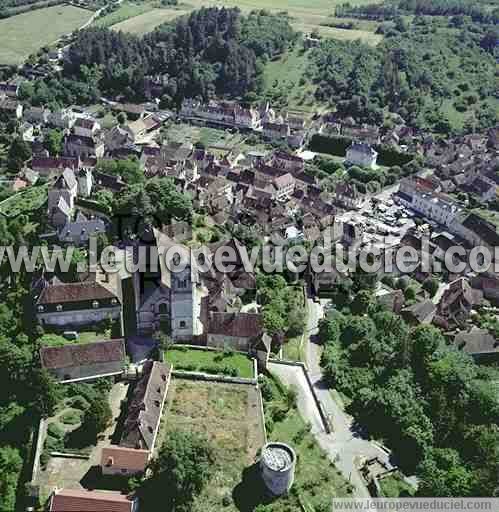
[
  {"x": 229, "y": 415},
  {"x": 24, "y": 34},
  {"x": 148, "y": 21},
  {"x": 307, "y": 15}
]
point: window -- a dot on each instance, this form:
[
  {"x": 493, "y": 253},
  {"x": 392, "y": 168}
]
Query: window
[
  {"x": 58, "y": 307},
  {"x": 40, "y": 309},
  {"x": 124, "y": 471},
  {"x": 182, "y": 324},
  {"x": 114, "y": 302},
  {"x": 95, "y": 304}
]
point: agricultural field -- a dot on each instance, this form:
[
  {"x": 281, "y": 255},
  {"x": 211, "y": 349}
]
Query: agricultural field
[
  {"x": 229, "y": 415},
  {"x": 148, "y": 20},
  {"x": 24, "y": 34},
  {"x": 308, "y": 15},
  {"x": 125, "y": 11}
]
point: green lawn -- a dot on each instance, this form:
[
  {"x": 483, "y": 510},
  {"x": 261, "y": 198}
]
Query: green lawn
[
  {"x": 317, "y": 480},
  {"x": 229, "y": 416},
  {"x": 292, "y": 349},
  {"x": 210, "y": 361},
  {"x": 26, "y": 201},
  {"x": 24, "y": 34},
  {"x": 54, "y": 340}
]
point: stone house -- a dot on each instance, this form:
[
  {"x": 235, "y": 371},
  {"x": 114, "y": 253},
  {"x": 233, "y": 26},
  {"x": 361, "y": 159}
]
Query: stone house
[
  {"x": 284, "y": 186},
  {"x": 276, "y": 131},
  {"x": 84, "y": 361},
  {"x": 78, "y": 304},
  {"x": 361, "y": 154},
  {"x": 61, "y": 198},
  {"x": 83, "y": 147},
  {"x": 237, "y": 331},
  {"x": 47, "y": 166},
  {"x": 145, "y": 409},
  {"x": 37, "y": 115},
  {"x": 63, "y": 119},
  {"x": 86, "y": 127},
  {"x": 479, "y": 344},
  {"x": 79, "y": 231},
  {"x": 65, "y": 500},
  {"x": 122, "y": 461},
  {"x": 11, "y": 108}
]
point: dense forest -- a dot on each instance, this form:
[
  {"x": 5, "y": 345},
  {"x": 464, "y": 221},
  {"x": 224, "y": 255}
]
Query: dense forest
[
  {"x": 432, "y": 404},
  {"x": 478, "y": 11},
  {"x": 210, "y": 52},
  {"x": 436, "y": 73}
]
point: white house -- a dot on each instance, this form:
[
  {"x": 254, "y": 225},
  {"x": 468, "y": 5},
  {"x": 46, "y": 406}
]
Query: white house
[{"x": 361, "y": 154}]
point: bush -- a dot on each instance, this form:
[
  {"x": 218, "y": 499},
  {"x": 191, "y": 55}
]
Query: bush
[
  {"x": 78, "y": 402},
  {"x": 72, "y": 417},
  {"x": 53, "y": 444},
  {"x": 56, "y": 431}
]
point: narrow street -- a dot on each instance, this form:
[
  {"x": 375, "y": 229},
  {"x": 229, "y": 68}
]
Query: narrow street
[{"x": 345, "y": 445}]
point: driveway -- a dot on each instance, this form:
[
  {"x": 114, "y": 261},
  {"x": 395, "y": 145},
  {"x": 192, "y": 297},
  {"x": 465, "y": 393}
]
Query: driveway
[{"x": 346, "y": 446}]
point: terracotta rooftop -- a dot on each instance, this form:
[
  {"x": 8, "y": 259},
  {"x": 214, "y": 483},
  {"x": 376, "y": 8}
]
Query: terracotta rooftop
[
  {"x": 82, "y": 354},
  {"x": 74, "y": 292},
  {"x": 235, "y": 324},
  {"x": 69, "y": 500},
  {"x": 124, "y": 458}
]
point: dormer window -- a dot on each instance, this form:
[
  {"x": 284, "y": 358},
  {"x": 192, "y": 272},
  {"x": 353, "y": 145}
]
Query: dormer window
[
  {"x": 59, "y": 307},
  {"x": 95, "y": 304}
]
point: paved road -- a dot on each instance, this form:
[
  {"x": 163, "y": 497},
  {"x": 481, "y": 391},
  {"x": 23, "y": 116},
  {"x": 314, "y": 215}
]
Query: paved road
[{"x": 345, "y": 445}]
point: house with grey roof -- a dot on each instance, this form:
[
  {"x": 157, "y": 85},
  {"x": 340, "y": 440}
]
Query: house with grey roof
[{"x": 361, "y": 154}]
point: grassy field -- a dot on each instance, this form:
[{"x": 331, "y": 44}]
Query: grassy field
[
  {"x": 316, "y": 479},
  {"x": 25, "y": 201},
  {"x": 213, "y": 138},
  {"x": 285, "y": 81},
  {"x": 24, "y": 34},
  {"x": 125, "y": 11},
  {"x": 307, "y": 15},
  {"x": 229, "y": 416},
  {"x": 149, "y": 20},
  {"x": 199, "y": 360}
]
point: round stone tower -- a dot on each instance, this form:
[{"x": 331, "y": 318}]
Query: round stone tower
[{"x": 278, "y": 467}]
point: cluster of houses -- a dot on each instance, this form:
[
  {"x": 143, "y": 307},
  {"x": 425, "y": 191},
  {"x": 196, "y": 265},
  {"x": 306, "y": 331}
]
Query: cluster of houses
[{"x": 264, "y": 120}]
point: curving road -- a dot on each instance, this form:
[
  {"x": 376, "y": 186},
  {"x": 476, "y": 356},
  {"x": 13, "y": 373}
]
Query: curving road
[{"x": 346, "y": 446}]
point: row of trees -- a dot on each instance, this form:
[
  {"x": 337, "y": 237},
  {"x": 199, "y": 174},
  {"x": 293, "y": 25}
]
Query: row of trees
[{"x": 431, "y": 403}]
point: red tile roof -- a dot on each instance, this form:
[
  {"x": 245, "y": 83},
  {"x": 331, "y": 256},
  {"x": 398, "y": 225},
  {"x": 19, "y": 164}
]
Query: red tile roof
[
  {"x": 88, "y": 353},
  {"x": 74, "y": 292},
  {"x": 68, "y": 500},
  {"x": 244, "y": 325},
  {"x": 124, "y": 458}
]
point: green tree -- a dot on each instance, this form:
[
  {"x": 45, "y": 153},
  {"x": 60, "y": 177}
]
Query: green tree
[
  {"x": 53, "y": 142},
  {"x": 180, "y": 471},
  {"x": 19, "y": 153},
  {"x": 443, "y": 474},
  {"x": 10, "y": 467},
  {"x": 97, "y": 417}
]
